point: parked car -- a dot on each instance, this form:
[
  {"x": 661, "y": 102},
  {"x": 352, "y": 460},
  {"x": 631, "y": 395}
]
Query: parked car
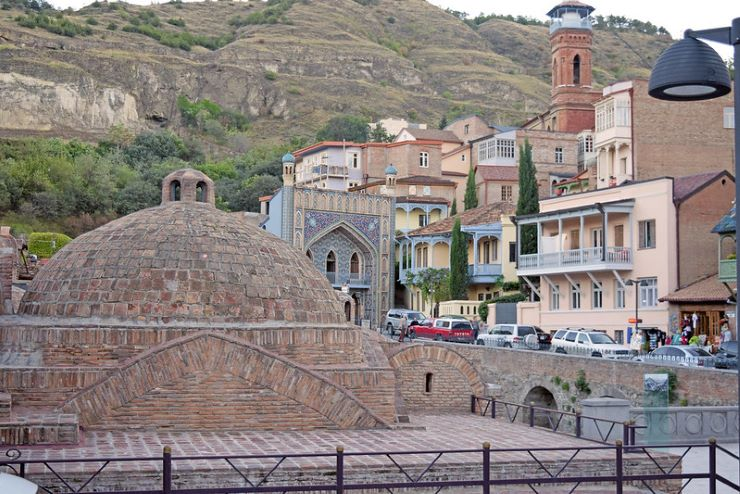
[
  {"x": 392, "y": 321},
  {"x": 444, "y": 329},
  {"x": 683, "y": 355},
  {"x": 726, "y": 357},
  {"x": 513, "y": 336},
  {"x": 590, "y": 342}
]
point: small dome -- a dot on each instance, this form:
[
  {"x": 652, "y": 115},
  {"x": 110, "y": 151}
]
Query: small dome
[
  {"x": 391, "y": 170},
  {"x": 288, "y": 158}
]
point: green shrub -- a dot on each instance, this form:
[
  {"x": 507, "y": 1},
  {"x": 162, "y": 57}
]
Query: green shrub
[
  {"x": 511, "y": 286},
  {"x": 483, "y": 310},
  {"x": 581, "y": 383},
  {"x": 274, "y": 13},
  {"x": 556, "y": 380},
  {"x": 517, "y": 297},
  {"x": 57, "y": 24},
  {"x": 176, "y": 22},
  {"x": 92, "y": 21},
  {"x": 270, "y": 75},
  {"x": 46, "y": 244},
  {"x": 566, "y": 386},
  {"x": 112, "y": 26}
]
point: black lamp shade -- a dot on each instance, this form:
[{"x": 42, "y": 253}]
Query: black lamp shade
[{"x": 689, "y": 70}]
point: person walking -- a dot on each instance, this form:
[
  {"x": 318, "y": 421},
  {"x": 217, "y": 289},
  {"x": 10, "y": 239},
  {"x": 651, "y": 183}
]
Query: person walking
[
  {"x": 725, "y": 333},
  {"x": 403, "y": 326}
]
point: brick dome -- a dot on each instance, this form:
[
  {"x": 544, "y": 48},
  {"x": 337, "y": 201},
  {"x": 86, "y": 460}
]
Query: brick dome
[{"x": 182, "y": 261}]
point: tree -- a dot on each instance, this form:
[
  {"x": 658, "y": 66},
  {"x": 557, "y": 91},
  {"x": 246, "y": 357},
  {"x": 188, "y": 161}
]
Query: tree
[
  {"x": 453, "y": 209},
  {"x": 458, "y": 263},
  {"x": 471, "y": 197},
  {"x": 379, "y": 134},
  {"x": 528, "y": 198},
  {"x": 346, "y": 127},
  {"x": 443, "y": 122},
  {"x": 431, "y": 283}
]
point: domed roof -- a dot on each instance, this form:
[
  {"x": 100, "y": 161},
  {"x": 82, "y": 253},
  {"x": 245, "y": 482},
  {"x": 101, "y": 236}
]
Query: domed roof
[
  {"x": 288, "y": 158},
  {"x": 182, "y": 261},
  {"x": 391, "y": 170}
]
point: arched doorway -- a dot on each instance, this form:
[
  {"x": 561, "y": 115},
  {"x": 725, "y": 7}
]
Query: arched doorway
[{"x": 541, "y": 397}]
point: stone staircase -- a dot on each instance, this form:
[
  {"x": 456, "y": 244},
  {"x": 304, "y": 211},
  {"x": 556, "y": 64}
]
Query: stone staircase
[{"x": 22, "y": 427}]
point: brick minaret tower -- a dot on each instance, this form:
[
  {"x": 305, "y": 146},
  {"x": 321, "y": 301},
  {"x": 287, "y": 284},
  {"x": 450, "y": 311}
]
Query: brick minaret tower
[{"x": 571, "y": 34}]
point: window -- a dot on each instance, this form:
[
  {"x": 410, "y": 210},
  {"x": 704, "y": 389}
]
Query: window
[
  {"x": 496, "y": 148},
  {"x": 576, "y": 70},
  {"x": 422, "y": 257},
  {"x": 649, "y": 292},
  {"x": 201, "y": 192},
  {"x": 619, "y": 236},
  {"x": 597, "y": 301},
  {"x": 558, "y": 155},
  {"x": 354, "y": 184},
  {"x": 428, "y": 382},
  {"x": 575, "y": 239},
  {"x": 589, "y": 144},
  {"x": 331, "y": 262},
  {"x": 618, "y": 295},
  {"x": 354, "y": 266},
  {"x": 423, "y": 220},
  {"x": 623, "y": 113},
  {"x": 647, "y": 234},
  {"x": 506, "y": 193},
  {"x": 462, "y": 157},
  {"x": 175, "y": 190},
  {"x": 466, "y": 129},
  {"x": 555, "y": 297},
  {"x": 597, "y": 237},
  {"x": 412, "y": 190},
  {"x": 575, "y": 296},
  {"x": 512, "y": 251},
  {"x": 480, "y": 297},
  {"x": 424, "y": 160},
  {"x": 485, "y": 255},
  {"x": 427, "y": 190},
  {"x": 354, "y": 160},
  {"x": 728, "y": 118}
]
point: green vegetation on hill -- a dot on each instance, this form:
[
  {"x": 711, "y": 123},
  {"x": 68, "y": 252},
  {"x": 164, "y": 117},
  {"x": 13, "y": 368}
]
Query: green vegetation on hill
[
  {"x": 209, "y": 117},
  {"x": 46, "y": 244},
  {"x": 274, "y": 13},
  {"x": 57, "y": 24}
]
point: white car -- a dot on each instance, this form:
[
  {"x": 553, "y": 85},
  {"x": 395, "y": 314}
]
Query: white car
[
  {"x": 513, "y": 336},
  {"x": 582, "y": 341}
]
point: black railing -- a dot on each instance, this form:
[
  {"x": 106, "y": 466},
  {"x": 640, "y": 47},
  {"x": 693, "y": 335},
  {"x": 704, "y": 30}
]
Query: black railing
[
  {"x": 344, "y": 471},
  {"x": 570, "y": 423}
]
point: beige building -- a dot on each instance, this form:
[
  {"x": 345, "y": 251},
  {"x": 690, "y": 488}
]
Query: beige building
[
  {"x": 491, "y": 252},
  {"x": 590, "y": 244}
]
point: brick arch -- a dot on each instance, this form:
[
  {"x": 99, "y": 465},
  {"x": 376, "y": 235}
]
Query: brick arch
[
  {"x": 533, "y": 383},
  {"x": 415, "y": 355},
  {"x": 330, "y": 405}
]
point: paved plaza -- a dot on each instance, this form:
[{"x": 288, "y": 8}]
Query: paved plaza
[{"x": 424, "y": 433}]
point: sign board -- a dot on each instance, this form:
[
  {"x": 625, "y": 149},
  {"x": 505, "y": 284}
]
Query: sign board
[
  {"x": 632, "y": 320},
  {"x": 730, "y": 313}
]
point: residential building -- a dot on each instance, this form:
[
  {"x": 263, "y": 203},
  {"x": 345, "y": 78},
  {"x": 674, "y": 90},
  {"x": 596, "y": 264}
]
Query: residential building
[
  {"x": 491, "y": 249},
  {"x": 470, "y": 127},
  {"x": 448, "y": 139},
  {"x": 633, "y": 140},
  {"x": 589, "y": 244},
  {"x": 393, "y": 126}
]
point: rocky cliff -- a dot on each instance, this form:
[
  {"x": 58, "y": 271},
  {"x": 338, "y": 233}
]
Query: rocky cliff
[{"x": 404, "y": 58}]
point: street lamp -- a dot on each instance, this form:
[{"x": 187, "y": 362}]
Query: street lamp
[
  {"x": 637, "y": 284},
  {"x": 690, "y": 70}
]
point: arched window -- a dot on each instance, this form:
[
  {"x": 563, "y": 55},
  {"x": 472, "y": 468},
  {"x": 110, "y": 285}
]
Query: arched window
[
  {"x": 201, "y": 192},
  {"x": 331, "y": 262},
  {"x": 348, "y": 310},
  {"x": 577, "y": 69},
  {"x": 309, "y": 254},
  {"x": 354, "y": 266},
  {"x": 175, "y": 190}
]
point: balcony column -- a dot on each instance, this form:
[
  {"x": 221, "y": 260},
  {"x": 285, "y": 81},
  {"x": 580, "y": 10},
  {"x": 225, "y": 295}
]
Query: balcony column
[
  {"x": 580, "y": 242},
  {"x": 560, "y": 241},
  {"x": 605, "y": 239},
  {"x": 475, "y": 253},
  {"x": 413, "y": 254},
  {"x": 431, "y": 254},
  {"x": 539, "y": 235}
]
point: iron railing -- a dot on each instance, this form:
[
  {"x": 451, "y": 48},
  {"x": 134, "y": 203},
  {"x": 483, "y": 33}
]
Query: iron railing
[{"x": 345, "y": 471}]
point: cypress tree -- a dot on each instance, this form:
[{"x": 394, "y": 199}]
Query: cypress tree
[
  {"x": 443, "y": 122},
  {"x": 453, "y": 209},
  {"x": 471, "y": 198},
  {"x": 458, "y": 263},
  {"x": 529, "y": 201}
]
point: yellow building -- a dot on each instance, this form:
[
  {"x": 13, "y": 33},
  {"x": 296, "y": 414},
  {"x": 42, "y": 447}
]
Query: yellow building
[{"x": 491, "y": 252}]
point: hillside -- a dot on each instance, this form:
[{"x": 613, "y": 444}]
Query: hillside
[{"x": 320, "y": 58}]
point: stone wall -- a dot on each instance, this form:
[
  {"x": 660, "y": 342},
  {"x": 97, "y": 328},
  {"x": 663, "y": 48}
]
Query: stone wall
[
  {"x": 106, "y": 346},
  {"x": 8, "y": 253}
]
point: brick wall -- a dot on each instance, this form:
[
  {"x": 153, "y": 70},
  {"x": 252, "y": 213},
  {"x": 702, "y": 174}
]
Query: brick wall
[
  {"x": 7, "y": 273},
  {"x": 696, "y": 216},
  {"x": 674, "y": 139}
]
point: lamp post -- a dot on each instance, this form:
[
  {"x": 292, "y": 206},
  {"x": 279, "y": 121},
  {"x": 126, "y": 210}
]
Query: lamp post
[
  {"x": 637, "y": 284},
  {"x": 690, "y": 70}
]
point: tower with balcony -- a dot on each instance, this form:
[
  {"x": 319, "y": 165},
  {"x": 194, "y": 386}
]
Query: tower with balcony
[{"x": 570, "y": 42}]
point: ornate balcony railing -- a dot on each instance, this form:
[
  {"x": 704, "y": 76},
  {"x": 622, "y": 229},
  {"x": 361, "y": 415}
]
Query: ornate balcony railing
[{"x": 575, "y": 258}]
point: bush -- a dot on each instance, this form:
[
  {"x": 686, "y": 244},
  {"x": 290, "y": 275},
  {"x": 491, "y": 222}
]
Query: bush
[
  {"x": 57, "y": 24},
  {"x": 274, "y": 13},
  {"x": 483, "y": 310},
  {"x": 112, "y": 26},
  {"x": 581, "y": 383},
  {"x": 91, "y": 21},
  {"x": 270, "y": 75},
  {"x": 46, "y": 244},
  {"x": 517, "y": 297},
  {"x": 176, "y": 22}
]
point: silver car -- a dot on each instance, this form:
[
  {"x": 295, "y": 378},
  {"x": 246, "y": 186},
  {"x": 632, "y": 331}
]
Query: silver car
[
  {"x": 685, "y": 356},
  {"x": 392, "y": 321}
]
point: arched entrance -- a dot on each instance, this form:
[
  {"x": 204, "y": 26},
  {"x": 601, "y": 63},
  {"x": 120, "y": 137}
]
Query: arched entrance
[{"x": 540, "y": 397}]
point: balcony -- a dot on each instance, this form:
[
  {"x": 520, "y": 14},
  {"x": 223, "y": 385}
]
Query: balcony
[
  {"x": 354, "y": 280},
  {"x": 484, "y": 273},
  {"x": 575, "y": 260},
  {"x": 727, "y": 270}
]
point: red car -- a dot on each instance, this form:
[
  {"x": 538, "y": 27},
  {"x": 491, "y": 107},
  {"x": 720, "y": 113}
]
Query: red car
[{"x": 444, "y": 329}]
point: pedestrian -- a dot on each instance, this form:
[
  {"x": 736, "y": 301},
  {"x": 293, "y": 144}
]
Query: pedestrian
[
  {"x": 694, "y": 322},
  {"x": 725, "y": 331},
  {"x": 403, "y": 326}
]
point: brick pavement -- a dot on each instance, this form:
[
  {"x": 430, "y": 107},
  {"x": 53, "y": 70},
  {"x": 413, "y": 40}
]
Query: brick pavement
[{"x": 431, "y": 432}]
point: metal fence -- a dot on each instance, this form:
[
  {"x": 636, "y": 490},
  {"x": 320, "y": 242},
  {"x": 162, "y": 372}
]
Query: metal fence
[{"x": 537, "y": 468}]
